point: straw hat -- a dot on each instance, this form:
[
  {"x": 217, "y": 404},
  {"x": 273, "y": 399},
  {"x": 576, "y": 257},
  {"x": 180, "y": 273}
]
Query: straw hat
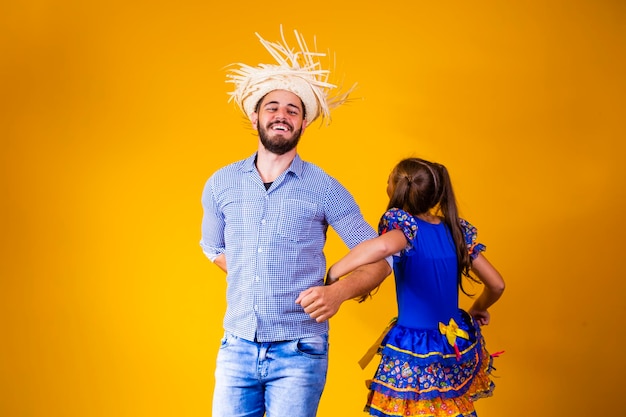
[{"x": 299, "y": 72}]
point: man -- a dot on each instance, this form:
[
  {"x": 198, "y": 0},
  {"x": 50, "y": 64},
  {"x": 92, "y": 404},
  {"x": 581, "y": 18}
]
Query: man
[{"x": 265, "y": 222}]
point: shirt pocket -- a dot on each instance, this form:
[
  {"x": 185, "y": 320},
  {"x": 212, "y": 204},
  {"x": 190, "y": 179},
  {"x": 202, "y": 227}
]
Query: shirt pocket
[{"x": 295, "y": 219}]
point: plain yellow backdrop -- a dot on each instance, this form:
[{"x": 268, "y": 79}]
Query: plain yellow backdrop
[{"x": 113, "y": 115}]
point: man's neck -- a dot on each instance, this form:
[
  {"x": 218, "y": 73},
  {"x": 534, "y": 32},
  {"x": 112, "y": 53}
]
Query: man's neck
[{"x": 270, "y": 165}]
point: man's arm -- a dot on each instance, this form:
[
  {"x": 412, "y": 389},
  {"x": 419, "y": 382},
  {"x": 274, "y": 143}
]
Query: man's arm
[
  {"x": 212, "y": 229},
  {"x": 321, "y": 303},
  {"x": 344, "y": 215}
]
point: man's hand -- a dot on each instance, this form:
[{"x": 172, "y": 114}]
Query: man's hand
[{"x": 321, "y": 303}]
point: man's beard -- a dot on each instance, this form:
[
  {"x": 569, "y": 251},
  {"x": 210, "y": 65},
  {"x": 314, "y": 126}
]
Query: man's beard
[{"x": 277, "y": 144}]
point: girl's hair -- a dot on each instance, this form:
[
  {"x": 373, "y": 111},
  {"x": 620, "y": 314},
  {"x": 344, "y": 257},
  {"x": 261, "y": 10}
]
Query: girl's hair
[{"x": 420, "y": 186}]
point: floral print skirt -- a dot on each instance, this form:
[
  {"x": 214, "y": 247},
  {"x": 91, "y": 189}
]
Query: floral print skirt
[{"x": 425, "y": 373}]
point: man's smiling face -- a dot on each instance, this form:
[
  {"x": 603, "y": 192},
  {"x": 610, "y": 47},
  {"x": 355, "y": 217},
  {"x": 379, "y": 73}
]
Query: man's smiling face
[{"x": 280, "y": 121}]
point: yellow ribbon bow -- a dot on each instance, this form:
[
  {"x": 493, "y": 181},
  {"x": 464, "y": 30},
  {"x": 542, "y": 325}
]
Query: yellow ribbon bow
[{"x": 452, "y": 331}]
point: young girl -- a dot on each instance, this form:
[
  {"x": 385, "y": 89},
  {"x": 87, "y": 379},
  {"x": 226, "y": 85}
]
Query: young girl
[{"x": 433, "y": 359}]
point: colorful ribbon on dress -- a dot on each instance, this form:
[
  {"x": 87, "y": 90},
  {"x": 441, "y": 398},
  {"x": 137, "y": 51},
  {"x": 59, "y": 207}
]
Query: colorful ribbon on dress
[{"x": 451, "y": 332}]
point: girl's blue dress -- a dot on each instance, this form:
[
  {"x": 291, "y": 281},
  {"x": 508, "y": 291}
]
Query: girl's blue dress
[{"x": 433, "y": 360}]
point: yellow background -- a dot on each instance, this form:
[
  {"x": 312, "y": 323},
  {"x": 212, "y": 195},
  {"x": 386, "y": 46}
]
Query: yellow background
[{"x": 113, "y": 114}]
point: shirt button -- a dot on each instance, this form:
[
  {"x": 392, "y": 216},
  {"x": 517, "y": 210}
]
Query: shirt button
[
  {"x": 256, "y": 308},
  {"x": 257, "y": 278},
  {"x": 260, "y": 250},
  {"x": 263, "y": 221}
]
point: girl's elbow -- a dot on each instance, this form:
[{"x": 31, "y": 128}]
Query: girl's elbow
[
  {"x": 495, "y": 284},
  {"x": 499, "y": 287}
]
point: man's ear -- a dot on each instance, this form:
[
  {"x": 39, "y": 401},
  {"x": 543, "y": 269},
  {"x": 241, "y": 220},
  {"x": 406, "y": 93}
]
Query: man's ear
[
  {"x": 304, "y": 124},
  {"x": 254, "y": 119}
]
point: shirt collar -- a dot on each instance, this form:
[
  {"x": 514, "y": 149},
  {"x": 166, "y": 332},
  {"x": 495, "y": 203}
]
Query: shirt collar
[{"x": 296, "y": 166}]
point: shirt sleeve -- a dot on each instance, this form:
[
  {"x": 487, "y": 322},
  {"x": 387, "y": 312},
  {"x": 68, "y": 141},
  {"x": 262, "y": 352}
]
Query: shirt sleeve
[
  {"x": 401, "y": 220},
  {"x": 471, "y": 235},
  {"x": 212, "y": 240},
  {"x": 345, "y": 217}
]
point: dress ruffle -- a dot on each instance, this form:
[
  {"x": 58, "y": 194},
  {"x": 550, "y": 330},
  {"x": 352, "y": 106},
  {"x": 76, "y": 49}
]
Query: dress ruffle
[{"x": 420, "y": 373}]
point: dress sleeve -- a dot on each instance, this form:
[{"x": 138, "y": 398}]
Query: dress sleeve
[
  {"x": 470, "y": 232},
  {"x": 399, "y": 219}
]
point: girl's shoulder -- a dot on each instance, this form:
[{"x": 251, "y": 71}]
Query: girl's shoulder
[
  {"x": 394, "y": 211},
  {"x": 396, "y": 218},
  {"x": 397, "y": 215},
  {"x": 467, "y": 227},
  {"x": 471, "y": 238}
]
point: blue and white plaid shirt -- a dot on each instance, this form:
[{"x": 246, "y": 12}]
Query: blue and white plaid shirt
[{"x": 273, "y": 241}]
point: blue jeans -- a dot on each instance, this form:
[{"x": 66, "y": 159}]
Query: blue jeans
[{"x": 282, "y": 379}]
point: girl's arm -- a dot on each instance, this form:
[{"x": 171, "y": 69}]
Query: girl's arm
[
  {"x": 494, "y": 287},
  {"x": 367, "y": 252}
]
